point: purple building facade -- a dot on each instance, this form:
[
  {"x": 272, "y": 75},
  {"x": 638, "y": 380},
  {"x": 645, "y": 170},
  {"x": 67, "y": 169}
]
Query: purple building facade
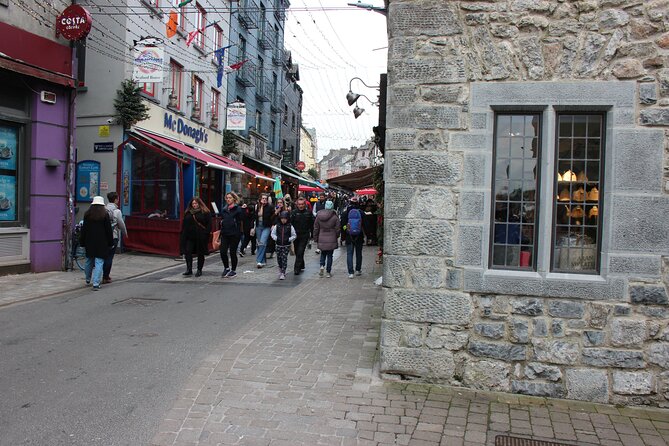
[{"x": 36, "y": 151}]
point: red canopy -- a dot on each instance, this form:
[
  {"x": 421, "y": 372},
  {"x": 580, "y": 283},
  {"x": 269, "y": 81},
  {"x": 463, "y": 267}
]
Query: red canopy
[
  {"x": 303, "y": 188},
  {"x": 366, "y": 191}
]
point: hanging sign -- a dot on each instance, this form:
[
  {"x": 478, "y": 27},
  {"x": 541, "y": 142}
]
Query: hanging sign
[
  {"x": 236, "y": 116},
  {"x": 300, "y": 165},
  {"x": 88, "y": 180},
  {"x": 148, "y": 63},
  {"x": 74, "y": 23}
]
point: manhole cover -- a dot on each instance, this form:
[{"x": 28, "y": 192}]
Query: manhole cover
[
  {"x": 505, "y": 440},
  {"x": 141, "y": 301}
]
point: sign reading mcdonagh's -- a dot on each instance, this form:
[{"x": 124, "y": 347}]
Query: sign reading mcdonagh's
[
  {"x": 175, "y": 126},
  {"x": 178, "y": 125}
]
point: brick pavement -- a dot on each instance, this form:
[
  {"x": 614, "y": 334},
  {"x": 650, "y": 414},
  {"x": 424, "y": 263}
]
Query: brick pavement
[{"x": 303, "y": 373}]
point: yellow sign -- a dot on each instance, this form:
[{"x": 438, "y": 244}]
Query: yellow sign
[{"x": 103, "y": 130}]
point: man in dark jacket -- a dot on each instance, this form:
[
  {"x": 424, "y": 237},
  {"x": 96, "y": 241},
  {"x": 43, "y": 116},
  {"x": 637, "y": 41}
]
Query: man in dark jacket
[
  {"x": 303, "y": 222},
  {"x": 354, "y": 236}
]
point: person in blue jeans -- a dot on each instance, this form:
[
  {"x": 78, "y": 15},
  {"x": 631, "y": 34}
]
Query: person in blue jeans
[
  {"x": 97, "y": 238},
  {"x": 264, "y": 213},
  {"x": 326, "y": 235},
  {"x": 355, "y": 237}
]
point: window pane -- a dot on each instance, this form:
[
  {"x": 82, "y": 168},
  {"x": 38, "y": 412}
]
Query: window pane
[
  {"x": 576, "y": 232},
  {"x": 516, "y": 186}
]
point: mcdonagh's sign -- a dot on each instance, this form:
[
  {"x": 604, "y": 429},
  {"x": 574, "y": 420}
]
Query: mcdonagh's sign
[
  {"x": 178, "y": 125},
  {"x": 175, "y": 126}
]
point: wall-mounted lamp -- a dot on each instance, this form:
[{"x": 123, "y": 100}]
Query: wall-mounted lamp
[
  {"x": 352, "y": 98},
  {"x": 129, "y": 145},
  {"x": 52, "y": 163}
]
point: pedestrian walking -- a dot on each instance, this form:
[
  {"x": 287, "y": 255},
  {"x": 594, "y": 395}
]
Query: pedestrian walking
[
  {"x": 326, "y": 235},
  {"x": 195, "y": 230},
  {"x": 283, "y": 234},
  {"x": 231, "y": 232},
  {"x": 263, "y": 216},
  {"x": 118, "y": 230},
  {"x": 319, "y": 206},
  {"x": 351, "y": 222},
  {"x": 248, "y": 223},
  {"x": 97, "y": 238},
  {"x": 278, "y": 208},
  {"x": 303, "y": 222}
]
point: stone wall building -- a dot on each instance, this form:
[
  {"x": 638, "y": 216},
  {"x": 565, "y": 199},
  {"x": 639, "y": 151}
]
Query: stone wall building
[{"x": 527, "y": 244}]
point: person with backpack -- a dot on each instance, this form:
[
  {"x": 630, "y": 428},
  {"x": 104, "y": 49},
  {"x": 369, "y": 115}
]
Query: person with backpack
[
  {"x": 118, "y": 229},
  {"x": 351, "y": 223}
]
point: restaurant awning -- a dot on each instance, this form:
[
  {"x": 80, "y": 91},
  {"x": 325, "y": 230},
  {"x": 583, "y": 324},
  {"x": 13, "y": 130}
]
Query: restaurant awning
[
  {"x": 355, "y": 180},
  {"x": 274, "y": 168},
  {"x": 181, "y": 148},
  {"x": 237, "y": 165},
  {"x": 303, "y": 180}
]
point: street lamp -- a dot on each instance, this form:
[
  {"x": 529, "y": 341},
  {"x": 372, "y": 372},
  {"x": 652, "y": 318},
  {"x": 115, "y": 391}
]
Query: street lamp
[
  {"x": 352, "y": 98},
  {"x": 368, "y": 7}
]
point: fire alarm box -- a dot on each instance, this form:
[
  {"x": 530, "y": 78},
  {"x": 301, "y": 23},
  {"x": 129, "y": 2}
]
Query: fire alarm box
[{"x": 48, "y": 97}]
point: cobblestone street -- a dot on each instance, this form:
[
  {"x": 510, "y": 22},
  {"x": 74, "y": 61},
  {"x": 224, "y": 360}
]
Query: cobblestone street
[{"x": 304, "y": 374}]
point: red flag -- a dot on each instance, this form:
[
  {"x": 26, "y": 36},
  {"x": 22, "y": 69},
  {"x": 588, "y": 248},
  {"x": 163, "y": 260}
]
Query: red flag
[
  {"x": 191, "y": 36},
  {"x": 235, "y": 66},
  {"x": 172, "y": 24}
]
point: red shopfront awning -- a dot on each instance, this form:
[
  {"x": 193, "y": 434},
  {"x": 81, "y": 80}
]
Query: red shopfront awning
[
  {"x": 205, "y": 158},
  {"x": 237, "y": 165}
]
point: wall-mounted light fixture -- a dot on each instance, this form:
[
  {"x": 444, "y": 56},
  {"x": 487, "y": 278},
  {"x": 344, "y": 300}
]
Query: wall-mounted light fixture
[
  {"x": 52, "y": 163},
  {"x": 352, "y": 98}
]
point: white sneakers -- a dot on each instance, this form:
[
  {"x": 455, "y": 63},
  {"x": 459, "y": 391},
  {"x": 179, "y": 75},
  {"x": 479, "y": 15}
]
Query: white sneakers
[
  {"x": 350, "y": 276},
  {"x": 328, "y": 275},
  {"x": 358, "y": 273},
  {"x": 322, "y": 271}
]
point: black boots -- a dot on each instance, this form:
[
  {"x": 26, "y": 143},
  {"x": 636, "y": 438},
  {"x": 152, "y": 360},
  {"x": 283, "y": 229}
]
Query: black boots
[
  {"x": 198, "y": 273},
  {"x": 189, "y": 272}
]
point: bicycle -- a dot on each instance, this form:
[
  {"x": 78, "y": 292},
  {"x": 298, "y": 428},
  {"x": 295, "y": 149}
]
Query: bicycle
[{"x": 78, "y": 253}]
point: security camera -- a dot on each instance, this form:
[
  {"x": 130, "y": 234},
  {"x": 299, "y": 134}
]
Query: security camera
[{"x": 110, "y": 120}]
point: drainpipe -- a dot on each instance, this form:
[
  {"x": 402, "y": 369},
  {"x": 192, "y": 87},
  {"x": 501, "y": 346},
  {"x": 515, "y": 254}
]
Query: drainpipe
[{"x": 70, "y": 165}]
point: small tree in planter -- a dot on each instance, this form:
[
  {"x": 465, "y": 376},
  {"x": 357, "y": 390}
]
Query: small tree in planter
[
  {"x": 229, "y": 143},
  {"x": 128, "y": 105},
  {"x": 313, "y": 172}
]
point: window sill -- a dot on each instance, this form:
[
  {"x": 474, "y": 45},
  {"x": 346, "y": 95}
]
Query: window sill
[
  {"x": 176, "y": 110},
  {"x": 200, "y": 49},
  {"x": 150, "y": 98}
]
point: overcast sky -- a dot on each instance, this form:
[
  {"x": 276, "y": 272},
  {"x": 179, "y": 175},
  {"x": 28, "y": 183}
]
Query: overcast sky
[{"x": 333, "y": 43}]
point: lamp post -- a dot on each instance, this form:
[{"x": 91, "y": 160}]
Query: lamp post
[{"x": 368, "y": 7}]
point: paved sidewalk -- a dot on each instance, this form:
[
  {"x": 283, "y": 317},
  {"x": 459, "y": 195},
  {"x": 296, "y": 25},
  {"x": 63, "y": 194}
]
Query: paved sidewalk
[
  {"x": 18, "y": 288},
  {"x": 304, "y": 373}
]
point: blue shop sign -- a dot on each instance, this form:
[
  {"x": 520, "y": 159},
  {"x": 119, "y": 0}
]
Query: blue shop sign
[
  {"x": 88, "y": 180},
  {"x": 178, "y": 125}
]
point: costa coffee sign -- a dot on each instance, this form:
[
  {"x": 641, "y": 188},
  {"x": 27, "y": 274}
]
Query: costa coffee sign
[
  {"x": 74, "y": 23},
  {"x": 300, "y": 165}
]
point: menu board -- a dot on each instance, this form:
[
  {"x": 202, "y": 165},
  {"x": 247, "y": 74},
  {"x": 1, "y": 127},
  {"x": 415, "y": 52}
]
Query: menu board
[{"x": 9, "y": 139}]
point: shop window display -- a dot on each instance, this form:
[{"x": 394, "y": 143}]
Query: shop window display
[
  {"x": 9, "y": 173},
  {"x": 154, "y": 184},
  {"x": 576, "y": 232},
  {"x": 516, "y": 180}
]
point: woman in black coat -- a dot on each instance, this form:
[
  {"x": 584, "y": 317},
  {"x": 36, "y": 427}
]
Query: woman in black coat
[
  {"x": 195, "y": 230},
  {"x": 97, "y": 237},
  {"x": 231, "y": 232}
]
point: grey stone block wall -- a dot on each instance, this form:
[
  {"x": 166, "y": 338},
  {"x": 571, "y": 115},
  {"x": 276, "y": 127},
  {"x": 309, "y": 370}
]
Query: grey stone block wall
[{"x": 447, "y": 316}]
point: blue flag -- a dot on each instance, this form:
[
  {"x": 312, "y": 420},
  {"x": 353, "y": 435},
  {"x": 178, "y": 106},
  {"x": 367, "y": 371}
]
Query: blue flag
[{"x": 220, "y": 54}]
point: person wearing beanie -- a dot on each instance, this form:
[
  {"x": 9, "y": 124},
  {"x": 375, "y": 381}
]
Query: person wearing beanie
[
  {"x": 326, "y": 235},
  {"x": 283, "y": 234},
  {"x": 97, "y": 237}
]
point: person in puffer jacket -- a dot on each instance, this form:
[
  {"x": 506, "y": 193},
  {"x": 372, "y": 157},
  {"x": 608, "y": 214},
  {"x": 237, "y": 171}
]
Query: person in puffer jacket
[
  {"x": 283, "y": 234},
  {"x": 326, "y": 235}
]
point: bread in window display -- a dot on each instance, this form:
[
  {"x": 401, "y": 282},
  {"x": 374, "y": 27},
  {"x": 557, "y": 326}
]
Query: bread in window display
[
  {"x": 594, "y": 212},
  {"x": 564, "y": 195},
  {"x": 593, "y": 195},
  {"x": 569, "y": 176},
  {"x": 579, "y": 195},
  {"x": 576, "y": 212},
  {"x": 581, "y": 177}
]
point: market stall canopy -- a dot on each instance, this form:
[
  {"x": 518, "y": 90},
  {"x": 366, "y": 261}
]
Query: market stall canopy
[
  {"x": 355, "y": 180},
  {"x": 181, "y": 148},
  {"x": 305, "y": 188},
  {"x": 302, "y": 178},
  {"x": 367, "y": 191}
]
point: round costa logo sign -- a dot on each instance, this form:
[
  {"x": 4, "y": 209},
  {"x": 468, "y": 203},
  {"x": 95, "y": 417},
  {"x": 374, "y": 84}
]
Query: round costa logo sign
[
  {"x": 300, "y": 165},
  {"x": 74, "y": 23}
]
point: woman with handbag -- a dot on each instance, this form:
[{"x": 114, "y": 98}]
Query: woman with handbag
[
  {"x": 231, "y": 231},
  {"x": 195, "y": 230}
]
